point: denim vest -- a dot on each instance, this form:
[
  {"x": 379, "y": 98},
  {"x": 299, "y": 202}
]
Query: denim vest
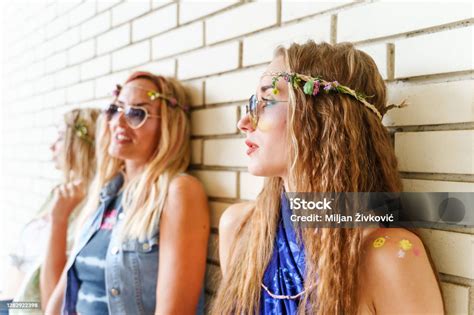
[{"x": 131, "y": 268}]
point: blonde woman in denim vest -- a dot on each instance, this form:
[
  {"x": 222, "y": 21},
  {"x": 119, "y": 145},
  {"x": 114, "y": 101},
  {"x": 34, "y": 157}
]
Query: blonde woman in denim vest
[
  {"x": 143, "y": 241},
  {"x": 32, "y": 274}
]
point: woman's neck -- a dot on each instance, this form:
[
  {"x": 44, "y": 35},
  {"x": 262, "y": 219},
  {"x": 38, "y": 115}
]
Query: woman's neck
[
  {"x": 72, "y": 177},
  {"x": 286, "y": 183},
  {"x": 132, "y": 169}
]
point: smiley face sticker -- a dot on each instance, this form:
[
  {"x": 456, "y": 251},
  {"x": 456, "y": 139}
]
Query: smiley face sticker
[{"x": 378, "y": 242}]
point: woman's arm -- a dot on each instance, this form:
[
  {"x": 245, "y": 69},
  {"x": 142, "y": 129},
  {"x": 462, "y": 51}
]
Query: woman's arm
[
  {"x": 55, "y": 260},
  {"x": 184, "y": 233},
  {"x": 56, "y": 301},
  {"x": 66, "y": 199},
  {"x": 399, "y": 277},
  {"x": 229, "y": 223}
]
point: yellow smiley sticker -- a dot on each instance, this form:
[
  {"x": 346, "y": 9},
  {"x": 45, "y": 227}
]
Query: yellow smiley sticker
[
  {"x": 378, "y": 242},
  {"x": 405, "y": 244}
]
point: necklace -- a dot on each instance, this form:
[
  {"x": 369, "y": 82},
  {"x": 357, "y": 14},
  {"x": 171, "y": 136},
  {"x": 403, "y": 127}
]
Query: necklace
[{"x": 283, "y": 297}]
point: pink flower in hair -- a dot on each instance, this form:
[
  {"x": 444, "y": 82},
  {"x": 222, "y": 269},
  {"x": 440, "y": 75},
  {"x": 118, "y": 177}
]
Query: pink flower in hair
[
  {"x": 173, "y": 101},
  {"x": 316, "y": 88}
]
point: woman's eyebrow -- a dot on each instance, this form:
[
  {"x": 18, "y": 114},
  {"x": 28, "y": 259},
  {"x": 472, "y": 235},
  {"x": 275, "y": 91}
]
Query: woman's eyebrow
[
  {"x": 141, "y": 104},
  {"x": 265, "y": 87},
  {"x": 137, "y": 104}
]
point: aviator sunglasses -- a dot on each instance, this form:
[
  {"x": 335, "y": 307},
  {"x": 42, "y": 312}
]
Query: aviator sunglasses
[{"x": 255, "y": 107}]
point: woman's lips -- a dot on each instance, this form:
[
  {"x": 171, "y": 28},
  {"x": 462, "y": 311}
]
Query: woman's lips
[{"x": 252, "y": 147}]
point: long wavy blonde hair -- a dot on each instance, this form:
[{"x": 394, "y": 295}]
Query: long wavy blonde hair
[
  {"x": 78, "y": 158},
  {"x": 78, "y": 154},
  {"x": 336, "y": 145},
  {"x": 144, "y": 196}
]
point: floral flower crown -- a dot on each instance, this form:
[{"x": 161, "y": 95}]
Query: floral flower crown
[
  {"x": 312, "y": 86},
  {"x": 80, "y": 130},
  {"x": 153, "y": 95}
]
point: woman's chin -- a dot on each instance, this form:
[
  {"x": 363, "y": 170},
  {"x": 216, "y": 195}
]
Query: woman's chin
[
  {"x": 118, "y": 153},
  {"x": 56, "y": 165},
  {"x": 256, "y": 169}
]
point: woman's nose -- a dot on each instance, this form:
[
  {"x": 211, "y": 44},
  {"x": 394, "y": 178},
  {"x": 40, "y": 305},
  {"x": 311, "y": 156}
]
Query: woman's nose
[
  {"x": 244, "y": 124},
  {"x": 118, "y": 119},
  {"x": 52, "y": 147}
]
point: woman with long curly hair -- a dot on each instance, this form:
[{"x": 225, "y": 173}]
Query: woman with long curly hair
[{"x": 310, "y": 128}]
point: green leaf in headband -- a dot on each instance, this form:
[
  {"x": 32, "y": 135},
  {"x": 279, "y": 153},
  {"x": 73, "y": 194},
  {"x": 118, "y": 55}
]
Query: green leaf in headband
[{"x": 308, "y": 87}]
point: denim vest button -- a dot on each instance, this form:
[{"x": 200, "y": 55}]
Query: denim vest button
[
  {"x": 146, "y": 246},
  {"x": 115, "y": 250},
  {"x": 114, "y": 292}
]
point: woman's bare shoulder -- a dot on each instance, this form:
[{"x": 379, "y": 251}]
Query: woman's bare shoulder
[
  {"x": 186, "y": 198},
  {"x": 392, "y": 247},
  {"x": 234, "y": 215},
  {"x": 395, "y": 267},
  {"x": 229, "y": 224}
]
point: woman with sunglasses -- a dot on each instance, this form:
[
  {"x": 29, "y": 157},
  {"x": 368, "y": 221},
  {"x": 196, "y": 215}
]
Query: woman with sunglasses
[
  {"x": 32, "y": 274},
  {"x": 143, "y": 242},
  {"x": 311, "y": 129}
]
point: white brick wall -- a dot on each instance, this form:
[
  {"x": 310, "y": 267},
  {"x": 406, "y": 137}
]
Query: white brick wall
[
  {"x": 456, "y": 298},
  {"x": 225, "y": 152},
  {"x": 131, "y": 56},
  {"x": 106, "y": 84},
  {"x": 205, "y": 121},
  {"x": 420, "y": 185},
  {"x": 195, "y": 91},
  {"x": 72, "y": 53},
  {"x": 232, "y": 87},
  {"x": 96, "y": 67},
  {"x": 96, "y": 25},
  {"x": 81, "y": 52},
  {"x": 116, "y": 38},
  {"x": 378, "y": 52},
  {"x": 229, "y": 23},
  {"x": 434, "y": 53},
  {"x": 191, "y": 65},
  {"x": 217, "y": 208},
  {"x": 250, "y": 186},
  {"x": 218, "y": 183},
  {"x": 129, "y": 9},
  {"x": 385, "y": 18},
  {"x": 66, "y": 77},
  {"x": 80, "y": 92},
  {"x": 147, "y": 25},
  {"x": 259, "y": 47},
  {"x": 82, "y": 13},
  {"x": 191, "y": 37},
  {"x": 433, "y": 103},
  {"x": 196, "y": 151},
  {"x": 190, "y": 10},
  {"x": 453, "y": 253},
  {"x": 293, "y": 9},
  {"x": 56, "y": 62},
  {"x": 103, "y": 5},
  {"x": 436, "y": 151}
]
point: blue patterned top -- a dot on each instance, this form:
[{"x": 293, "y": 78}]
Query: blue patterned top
[{"x": 285, "y": 271}]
